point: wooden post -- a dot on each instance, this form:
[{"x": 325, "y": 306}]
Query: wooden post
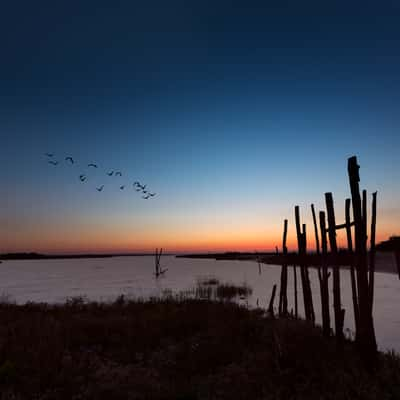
[
  {"x": 371, "y": 279},
  {"x": 315, "y": 229},
  {"x": 326, "y": 321},
  {"x": 336, "y": 271},
  {"x": 283, "y": 302},
  {"x": 271, "y": 302},
  {"x": 158, "y": 270},
  {"x": 296, "y": 313},
  {"x": 352, "y": 271},
  {"x": 300, "y": 252},
  {"x": 280, "y": 305},
  {"x": 259, "y": 263},
  {"x": 305, "y": 280},
  {"x": 364, "y": 215},
  {"x": 285, "y": 226},
  {"x": 366, "y": 338},
  {"x": 156, "y": 263},
  {"x": 317, "y": 250},
  {"x": 348, "y": 225},
  {"x": 285, "y": 271}
]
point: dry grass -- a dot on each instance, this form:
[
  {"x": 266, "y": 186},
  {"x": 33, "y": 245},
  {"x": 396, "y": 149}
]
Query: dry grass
[
  {"x": 208, "y": 281},
  {"x": 227, "y": 291},
  {"x": 213, "y": 289},
  {"x": 170, "y": 349}
]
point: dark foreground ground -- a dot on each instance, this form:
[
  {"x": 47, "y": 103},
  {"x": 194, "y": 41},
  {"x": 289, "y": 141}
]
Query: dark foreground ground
[{"x": 169, "y": 349}]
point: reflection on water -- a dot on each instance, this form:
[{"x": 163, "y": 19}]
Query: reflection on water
[{"x": 106, "y": 278}]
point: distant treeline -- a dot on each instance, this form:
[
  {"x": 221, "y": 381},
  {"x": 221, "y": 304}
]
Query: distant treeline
[
  {"x": 39, "y": 256},
  {"x": 393, "y": 244},
  {"x": 229, "y": 255}
]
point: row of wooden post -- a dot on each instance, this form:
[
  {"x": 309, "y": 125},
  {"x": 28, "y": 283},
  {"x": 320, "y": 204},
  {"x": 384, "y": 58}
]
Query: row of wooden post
[{"x": 362, "y": 267}]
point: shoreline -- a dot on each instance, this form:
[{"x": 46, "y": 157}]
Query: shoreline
[
  {"x": 267, "y": 258},
  {"x": 385, "y": 260}
]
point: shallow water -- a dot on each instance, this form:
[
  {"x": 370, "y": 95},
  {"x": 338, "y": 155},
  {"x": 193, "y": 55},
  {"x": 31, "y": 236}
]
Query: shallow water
[{"x": 105, "y": 278}]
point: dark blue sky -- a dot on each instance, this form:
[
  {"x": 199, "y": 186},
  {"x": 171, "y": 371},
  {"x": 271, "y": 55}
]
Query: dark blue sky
[{"x": 223, "y": 107}]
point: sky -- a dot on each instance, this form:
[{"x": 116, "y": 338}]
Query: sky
[{"x": 233, "y": 112}]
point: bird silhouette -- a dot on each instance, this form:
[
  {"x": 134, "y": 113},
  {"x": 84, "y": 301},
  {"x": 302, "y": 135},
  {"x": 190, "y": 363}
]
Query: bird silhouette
[{"x": 139, "y": 187}]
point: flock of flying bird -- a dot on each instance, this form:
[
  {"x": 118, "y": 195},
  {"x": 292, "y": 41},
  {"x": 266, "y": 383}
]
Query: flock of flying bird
[{"x": 146, "y": 194}]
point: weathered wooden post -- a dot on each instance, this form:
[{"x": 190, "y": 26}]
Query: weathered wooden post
[
  {"x": 352, "y": 271},
  {"x": 371, "y": 280},
  {"x": 364, "y": 216},
  {"x": 158, "y": 270},
  {"x": 283, "y": 302},
  {"x": 300, "y": 253},
  {"x": 305, "y": 280},
  {"x": 366, "y": 338},
  {"x": 339, "y": 314},
  {"x": 157, "y": 264},
  {"x": 317, "y": 250},
  {"x": 296, "y": 311},
  {"x": 271, "y": 302},
  {"x": 307, "y": 277},
  {"x": 315, "y": 229},
  {"x": 259, "y": 263},
  {"x": 326, "y": 321}
]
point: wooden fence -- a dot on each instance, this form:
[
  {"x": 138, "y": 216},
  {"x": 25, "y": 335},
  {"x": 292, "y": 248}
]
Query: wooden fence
[{"x": 361, "y": 262}]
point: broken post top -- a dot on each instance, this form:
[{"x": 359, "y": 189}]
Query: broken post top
[
  {"x": 285, "y": 227},
  {"x": 352, "y": 168}
]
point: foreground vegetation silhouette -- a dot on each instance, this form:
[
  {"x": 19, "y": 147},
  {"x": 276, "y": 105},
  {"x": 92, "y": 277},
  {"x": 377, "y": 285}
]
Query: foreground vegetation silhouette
[{"x": 177, "y": 348}]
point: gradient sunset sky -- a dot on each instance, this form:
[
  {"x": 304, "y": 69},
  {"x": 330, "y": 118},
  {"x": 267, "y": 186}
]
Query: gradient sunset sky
[{"x": 232, "y": 111}]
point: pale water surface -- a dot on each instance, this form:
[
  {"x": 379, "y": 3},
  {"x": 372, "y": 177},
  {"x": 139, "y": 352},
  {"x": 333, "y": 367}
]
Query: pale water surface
[{"x": 105, "y": 278}]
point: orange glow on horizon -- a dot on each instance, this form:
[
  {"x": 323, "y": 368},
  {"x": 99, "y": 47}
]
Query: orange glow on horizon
[
  {"x": 171, "y": 243},
  {"x": 198, "y": 235}
]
